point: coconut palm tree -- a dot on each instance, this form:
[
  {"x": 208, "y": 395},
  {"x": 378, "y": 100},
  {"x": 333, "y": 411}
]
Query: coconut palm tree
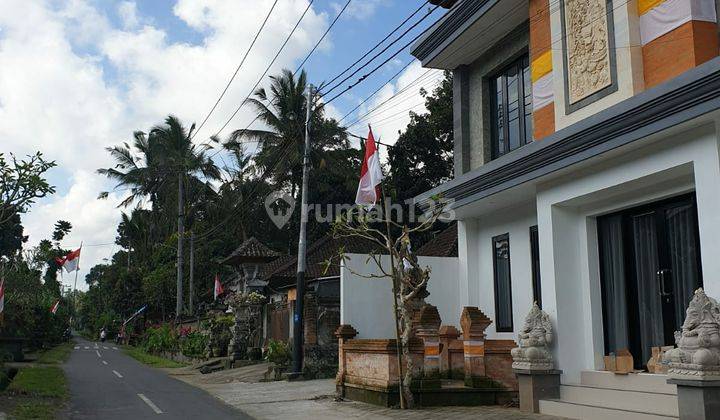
[
  {"x": 283, "y": 110},
  {"x": 164, "y": 160}
]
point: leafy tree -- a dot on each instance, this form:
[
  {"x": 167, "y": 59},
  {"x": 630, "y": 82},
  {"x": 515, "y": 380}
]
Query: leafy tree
[
  {"x": 21, "y": 183},
  {"x": 11, "y": 237},
  {"x": 422, "y": 158},
  {"x": 62, "y": 228}
]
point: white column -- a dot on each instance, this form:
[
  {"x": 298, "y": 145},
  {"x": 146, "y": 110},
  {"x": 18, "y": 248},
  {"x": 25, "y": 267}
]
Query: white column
[{"x": 468, "y": 270}]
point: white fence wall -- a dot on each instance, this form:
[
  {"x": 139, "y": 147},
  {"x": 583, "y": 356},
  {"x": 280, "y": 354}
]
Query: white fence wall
[{"x": 367, "y": 304}]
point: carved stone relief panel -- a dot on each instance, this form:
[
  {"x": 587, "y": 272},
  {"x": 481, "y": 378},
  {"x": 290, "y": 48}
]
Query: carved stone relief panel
[{"x": 588, "y": 47}]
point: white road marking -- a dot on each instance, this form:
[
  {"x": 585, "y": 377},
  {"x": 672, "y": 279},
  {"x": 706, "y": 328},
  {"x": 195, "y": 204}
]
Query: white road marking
[
  {"x": 98, "y": 353},
  {"x": 104, "y": 362},
  {"x": 77, "y": 347},
  {"x": 114, "y": 348},
  {"x": 86, "y": 347},
  {"x": 106, "y": 348},
  {"x": 117, "y": 373},
  {"x": 150, "y": 404}
]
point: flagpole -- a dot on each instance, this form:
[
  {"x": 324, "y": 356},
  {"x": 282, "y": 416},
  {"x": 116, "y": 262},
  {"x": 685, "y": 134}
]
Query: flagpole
[
  {"x": 398, "y": 340},
  {"x": 77, "y": 269}
]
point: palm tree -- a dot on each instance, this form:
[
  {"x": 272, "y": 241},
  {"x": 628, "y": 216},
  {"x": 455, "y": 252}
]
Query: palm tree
[
  {"x": 283, "y": 111},
  {"x": 167, "y": 160}
]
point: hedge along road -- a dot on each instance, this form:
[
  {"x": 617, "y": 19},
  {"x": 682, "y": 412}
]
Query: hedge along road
[{"x": 107, "y": 384}]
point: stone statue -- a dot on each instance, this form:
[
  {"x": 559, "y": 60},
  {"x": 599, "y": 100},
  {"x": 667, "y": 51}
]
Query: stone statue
[
  {"x": 535, "y": 339},
  {"x": 698, "y": 353}
]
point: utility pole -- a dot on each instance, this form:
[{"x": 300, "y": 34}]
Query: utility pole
[
  {"x": 191, "y": 285},
  {"x": 181, "y": 235},
  {"x": 298, "y": 338}
]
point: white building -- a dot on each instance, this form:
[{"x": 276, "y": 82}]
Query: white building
[{"x": 587, "y": 176}]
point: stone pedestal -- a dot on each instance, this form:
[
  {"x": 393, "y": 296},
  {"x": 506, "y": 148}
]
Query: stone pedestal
[
  {"x": 536, "y": 385},
  {"x": 344, "y": 333},
  {"x": 698, "y": 399},
  {"x": 474, "y": 322}
]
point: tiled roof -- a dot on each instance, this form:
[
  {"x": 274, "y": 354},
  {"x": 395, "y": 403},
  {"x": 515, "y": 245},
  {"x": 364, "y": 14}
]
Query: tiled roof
[
  {"x": 251, "y": 250},
  {"x": 445, "y": 244},
  {"x": 322, "y": 250}
]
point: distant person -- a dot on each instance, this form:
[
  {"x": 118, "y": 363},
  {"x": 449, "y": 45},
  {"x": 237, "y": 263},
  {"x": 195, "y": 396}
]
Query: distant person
[{"x": 103, "y": 335}]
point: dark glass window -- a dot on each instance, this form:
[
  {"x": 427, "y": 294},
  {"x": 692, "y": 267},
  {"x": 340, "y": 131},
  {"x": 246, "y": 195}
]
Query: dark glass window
[
  {"x": 511, "y": 108},
  {"x": 503, "y": 291},
  {"x": 535, "y": 261}
]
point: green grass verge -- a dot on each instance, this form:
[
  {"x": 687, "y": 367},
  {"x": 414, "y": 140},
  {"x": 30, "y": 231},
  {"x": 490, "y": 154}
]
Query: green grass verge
[
  {"x": 33, "y": 409},
  {"x": 36, "y": 393},
  {"x": 149, "y": 359},
  {"x": 58, "y": 354},
  {"x": 46, "y": 381}
]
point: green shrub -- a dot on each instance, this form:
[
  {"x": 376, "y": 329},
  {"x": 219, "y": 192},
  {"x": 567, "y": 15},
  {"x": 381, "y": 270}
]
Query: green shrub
[
  {"x": 194, "y": 344},
  {"x": 278, "y": 353},
  {"x": 160, "y": 339}
]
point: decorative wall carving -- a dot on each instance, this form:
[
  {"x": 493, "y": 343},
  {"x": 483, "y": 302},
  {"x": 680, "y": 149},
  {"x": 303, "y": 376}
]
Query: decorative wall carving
[{"x": 587, "y": 41}]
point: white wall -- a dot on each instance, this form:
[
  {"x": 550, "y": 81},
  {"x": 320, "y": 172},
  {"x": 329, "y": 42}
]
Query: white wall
[
  {"x": 367, "y": 304},
  {"x": 516, "y": 223}
]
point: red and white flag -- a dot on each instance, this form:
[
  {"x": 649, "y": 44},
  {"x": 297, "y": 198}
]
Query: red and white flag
[
  {"x": 218, "y": 290},
  {"x": 2, "y": 295},
  {"x": 71, "y": 261},
  {"x": 371, "y": 175},
  {"x": 54, "y": 308}
]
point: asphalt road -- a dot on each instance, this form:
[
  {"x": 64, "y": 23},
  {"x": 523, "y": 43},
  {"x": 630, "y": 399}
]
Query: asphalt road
[{"x": 107, "y": 384}]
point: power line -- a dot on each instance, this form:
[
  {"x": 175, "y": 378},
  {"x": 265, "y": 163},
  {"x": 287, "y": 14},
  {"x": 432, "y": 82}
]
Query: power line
[
  {"x": 379, "y": 54},
  {"x": 227, "y": 86},
  {"x": 322, "y": 37},
  {"x": 267, "y": 69},
  {"x": 397, "y": 28},
  {"x": 393, "y": 97},
  {"x": 376, "y": 91}
]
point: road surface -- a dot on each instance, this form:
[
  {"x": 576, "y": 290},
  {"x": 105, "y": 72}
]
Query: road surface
[{"x": 107, "y": 384}]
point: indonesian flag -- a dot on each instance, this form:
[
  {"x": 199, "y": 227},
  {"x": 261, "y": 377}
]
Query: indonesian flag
[
  {"x": 218, "y": 290},
  {"x": 54, "y": 308},
  {"x": 2, "y": 295},
  {"x": 71, "y": 261},
  {"x": 371, "y": 175}
]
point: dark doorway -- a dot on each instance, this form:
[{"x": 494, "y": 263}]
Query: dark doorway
[{"x": 649, "y": 269}]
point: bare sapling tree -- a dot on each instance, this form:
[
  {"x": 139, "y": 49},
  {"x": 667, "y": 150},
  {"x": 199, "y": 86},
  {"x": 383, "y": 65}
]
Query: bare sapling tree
[{"x": 409, "y": 278}]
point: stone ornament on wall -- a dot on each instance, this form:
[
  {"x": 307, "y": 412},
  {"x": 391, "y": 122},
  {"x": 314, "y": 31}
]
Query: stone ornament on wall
[
  {"x": 697, "y": 355},
  {"x": 588, "y": 48},
  {"x": 535, "y": 339}
]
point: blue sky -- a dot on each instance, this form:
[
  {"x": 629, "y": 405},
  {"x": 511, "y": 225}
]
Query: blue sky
[{"x": 100, "y": 69}]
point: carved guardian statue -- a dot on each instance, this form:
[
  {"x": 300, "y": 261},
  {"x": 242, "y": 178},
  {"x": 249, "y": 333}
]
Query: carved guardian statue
[
  {"x": 697, "y": 355},
  {"x": 535, "y": 339}
]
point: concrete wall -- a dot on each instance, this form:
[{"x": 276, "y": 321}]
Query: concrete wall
[{"x": 367, "y": 304}]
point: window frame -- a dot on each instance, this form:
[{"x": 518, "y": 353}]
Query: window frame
[
  {"x": 498, "y": 327},
  {"x": 519, "y": 64},
  {"x": 535, "y": 265}
]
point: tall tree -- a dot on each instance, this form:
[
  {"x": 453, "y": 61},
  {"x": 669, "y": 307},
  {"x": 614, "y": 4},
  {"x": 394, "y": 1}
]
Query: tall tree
[
  {"x": 283, "y": 110},
  {"x": 21, "y": 183},
  {"x": 422, "y": 158},
  {"x": 168, "y": 160}
]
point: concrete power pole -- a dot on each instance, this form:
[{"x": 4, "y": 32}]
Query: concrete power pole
[
  {"x": 191, "y": 283},
  {"x": 302, "y": 248},
  {"x": 181, "y": 235}
]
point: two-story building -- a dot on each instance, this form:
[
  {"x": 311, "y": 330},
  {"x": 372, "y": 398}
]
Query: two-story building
[{"x": 587, "y": 177}]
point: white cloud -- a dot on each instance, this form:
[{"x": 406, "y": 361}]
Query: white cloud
[
  {"x": 73, "y": 83},
  {"x": 358, "y": 9},
  {"x": 127, "y": 10}
]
